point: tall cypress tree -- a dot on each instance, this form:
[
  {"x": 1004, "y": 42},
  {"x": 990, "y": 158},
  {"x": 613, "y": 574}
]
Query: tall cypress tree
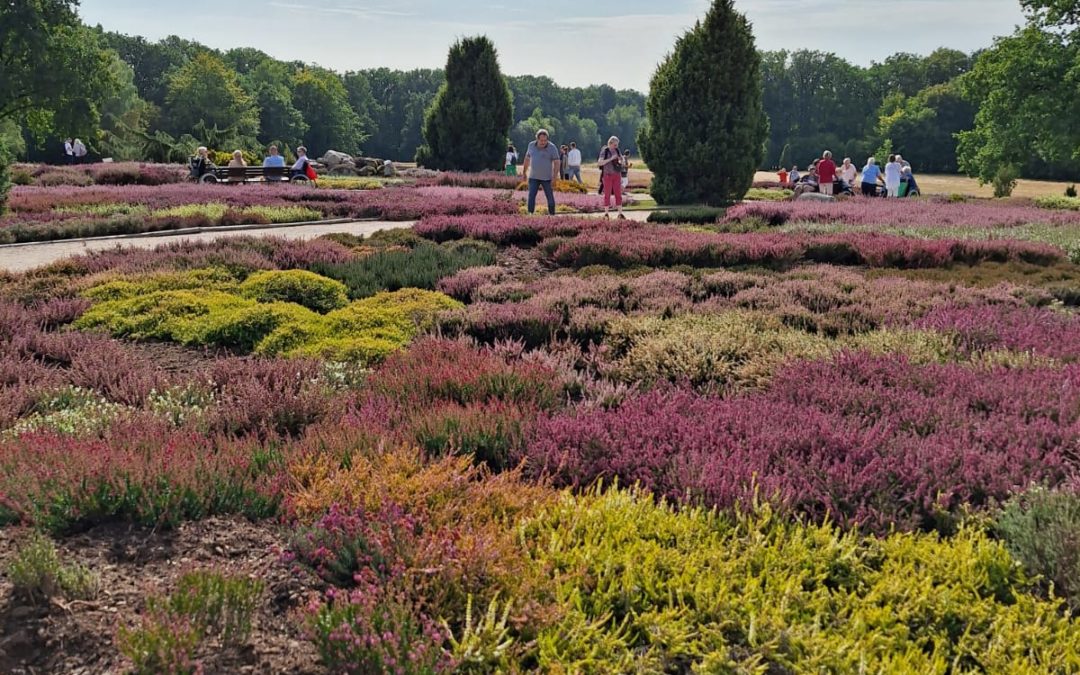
[
  {"x": 467, "y": 125},
  {"x": 707, "y": 127}
]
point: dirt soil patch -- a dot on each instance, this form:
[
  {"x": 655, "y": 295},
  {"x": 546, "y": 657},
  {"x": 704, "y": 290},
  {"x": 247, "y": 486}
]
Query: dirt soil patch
[{"x": 78, "y": 637}]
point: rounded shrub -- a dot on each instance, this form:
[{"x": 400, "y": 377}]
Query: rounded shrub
[{"x": 308, "y": 289}]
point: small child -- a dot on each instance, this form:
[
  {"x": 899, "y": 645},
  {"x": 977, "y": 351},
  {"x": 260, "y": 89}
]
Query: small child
[{"x": 625, "y": 170}]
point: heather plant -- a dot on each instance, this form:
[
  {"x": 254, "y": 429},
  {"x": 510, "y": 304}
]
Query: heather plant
[
  {"x": 37, "y": 574},
  {"x": 1041, "y": 528},
  {"x": 138, "y": 472},
  {"x": 72, "y": 411},
  {"x": 889, "y": 213},
  {"x": 484, "y": 645},
  {"x": 39, "y": 214},
  {"x": 1055, "y": 335},
  {"x": 372, "y": 629},
  {"x": 317, "y": 293},
  {"x": 667, "y": 248},
  {"x": 215, "y": 603},
  {"x": 483, "y": 179},
  {"x": 419, "y": 267},
  {"x": 204, "y": 604},
  {"x": 699, "y": 215},
  {"x": 464, "y": 284},
  {"x": 1066, "y": 203},
  {"x": 161, "y": 644},
  {"x": 647, "y": 586},
  {"x": 873, "y": 442},
  {"x": 502, "y": 230}
]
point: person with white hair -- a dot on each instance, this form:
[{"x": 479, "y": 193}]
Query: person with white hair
[
  {"x": 848, "y": 173},
  {"x": 826, "y": 170},
  {"x": 904, "y": 164},
  {"x": 610, "y": 163},
  {"x": 79, "y": 149},
  {"x": 200, "y": 164},
  {"x": 871, "y": 176}
]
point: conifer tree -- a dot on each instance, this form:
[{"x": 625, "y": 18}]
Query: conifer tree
[
  {"x": 706, "y": 125},
  {"x": 467, "y": 125}
]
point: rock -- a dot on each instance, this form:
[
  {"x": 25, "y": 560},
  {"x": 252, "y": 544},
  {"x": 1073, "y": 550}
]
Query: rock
[
  {"x": 334, "y": 158},
  {"x": 388, "y": 169},
  {"x": 815, "y": 197},
  {"x": 366, "y": 171},
  {"x": 370, "y": 161}
]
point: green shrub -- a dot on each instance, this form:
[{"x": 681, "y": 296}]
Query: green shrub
[
  {"x": 37, "y": 574},
  {"x": 395, "y": 236},
  {"x": 691, "y": 215},
  {"x": 1065, "y": 203},
  {"x": 647, "y": 587},
  {"x": 204, "y": 604},
  {"x": 1071, "y": 191},
  {"x": 212, "y": 279},
  {"x": 420, "y": 267},
  {"x": 767, "y": 195},
  {"x": 308, "y": 289},
  {"x": 1042, "y": 530},
  {"x": 1004, "y": 180},
  {"x": 364, "y": 331},
  {"x": 5, "y": 180}
]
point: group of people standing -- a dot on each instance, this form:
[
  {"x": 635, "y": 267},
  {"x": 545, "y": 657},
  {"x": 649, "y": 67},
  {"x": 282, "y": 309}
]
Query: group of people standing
[
  {"x": 75, "y": 151},
  {"x": 825, "y": 177},
  {"x": 544, "y": 162}
]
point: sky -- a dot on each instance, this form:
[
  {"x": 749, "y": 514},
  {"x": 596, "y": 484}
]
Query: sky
[{"x": 576, "y": 43}]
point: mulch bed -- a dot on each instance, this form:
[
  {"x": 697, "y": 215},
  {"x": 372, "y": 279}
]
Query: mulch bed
[{"x": 78, "y": 637}]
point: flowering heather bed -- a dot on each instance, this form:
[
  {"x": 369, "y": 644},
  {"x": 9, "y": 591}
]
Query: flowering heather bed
[
  {"x": 898, "y": 213},
  {"x": 838, "y": 440},
  {"x": 582, "y": 203},
  {"x": 504, "y": 230},
  {"x": 662, "y": 247},
  {"x": 63, "y": 212},
  {"x": 865, "y": 440}
]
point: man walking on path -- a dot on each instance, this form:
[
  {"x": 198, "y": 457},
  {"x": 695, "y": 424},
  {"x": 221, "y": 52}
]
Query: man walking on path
[
  {"x": 541, "y": 166},
  {"x": 573, "y": 159},
  {"x": 826, "y": 171}
]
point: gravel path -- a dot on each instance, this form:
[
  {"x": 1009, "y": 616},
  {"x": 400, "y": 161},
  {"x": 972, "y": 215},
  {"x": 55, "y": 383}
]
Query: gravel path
[{"x": 28, "y": 256}]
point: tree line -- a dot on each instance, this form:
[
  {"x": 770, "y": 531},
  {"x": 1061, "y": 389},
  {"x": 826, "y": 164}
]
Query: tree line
[
  {"x": 156, "y": 100},
  {"x": 1006, "y": 111}
]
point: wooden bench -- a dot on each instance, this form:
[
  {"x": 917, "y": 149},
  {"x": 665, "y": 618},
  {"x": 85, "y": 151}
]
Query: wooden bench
[{"x": 243, "y": 174}]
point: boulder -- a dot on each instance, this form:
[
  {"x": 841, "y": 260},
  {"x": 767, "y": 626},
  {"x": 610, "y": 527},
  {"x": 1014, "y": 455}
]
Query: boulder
[
  {"x": 334, "y": 158},
  {"x": 815, "y": 197},
  {"x": 365, "y": 171}
]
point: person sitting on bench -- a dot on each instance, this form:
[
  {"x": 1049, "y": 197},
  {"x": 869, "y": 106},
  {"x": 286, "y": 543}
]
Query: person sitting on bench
[
  {"x": 301, "y": 165},
  {"x": 200, "y": 164},
  {"x": 274, "y": 160}
]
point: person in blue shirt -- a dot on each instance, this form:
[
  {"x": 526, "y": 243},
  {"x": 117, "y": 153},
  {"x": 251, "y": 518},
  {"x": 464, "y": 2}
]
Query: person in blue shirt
[
  {"x": 274, "y": 159},
  {"x": 871, "y": 176}
]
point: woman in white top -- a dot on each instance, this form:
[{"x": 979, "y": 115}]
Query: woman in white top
[
  {"x": 300, "y": 167},
  {"x": 510, "y": 167},
  {"x": 848, "y": 172},
  {"x": 892, "y": 177}
]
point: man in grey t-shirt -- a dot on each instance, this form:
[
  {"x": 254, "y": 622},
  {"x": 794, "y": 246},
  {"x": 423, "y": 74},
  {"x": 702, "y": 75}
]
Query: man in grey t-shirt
[{"x": 542, "y": 164}]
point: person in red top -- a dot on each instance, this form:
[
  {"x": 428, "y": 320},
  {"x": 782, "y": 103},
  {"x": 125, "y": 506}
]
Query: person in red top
[{"x": 826, "y": 170}]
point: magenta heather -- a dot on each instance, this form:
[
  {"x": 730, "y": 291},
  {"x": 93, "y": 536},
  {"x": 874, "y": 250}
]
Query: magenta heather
[{"x": 873, "y": 441}]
